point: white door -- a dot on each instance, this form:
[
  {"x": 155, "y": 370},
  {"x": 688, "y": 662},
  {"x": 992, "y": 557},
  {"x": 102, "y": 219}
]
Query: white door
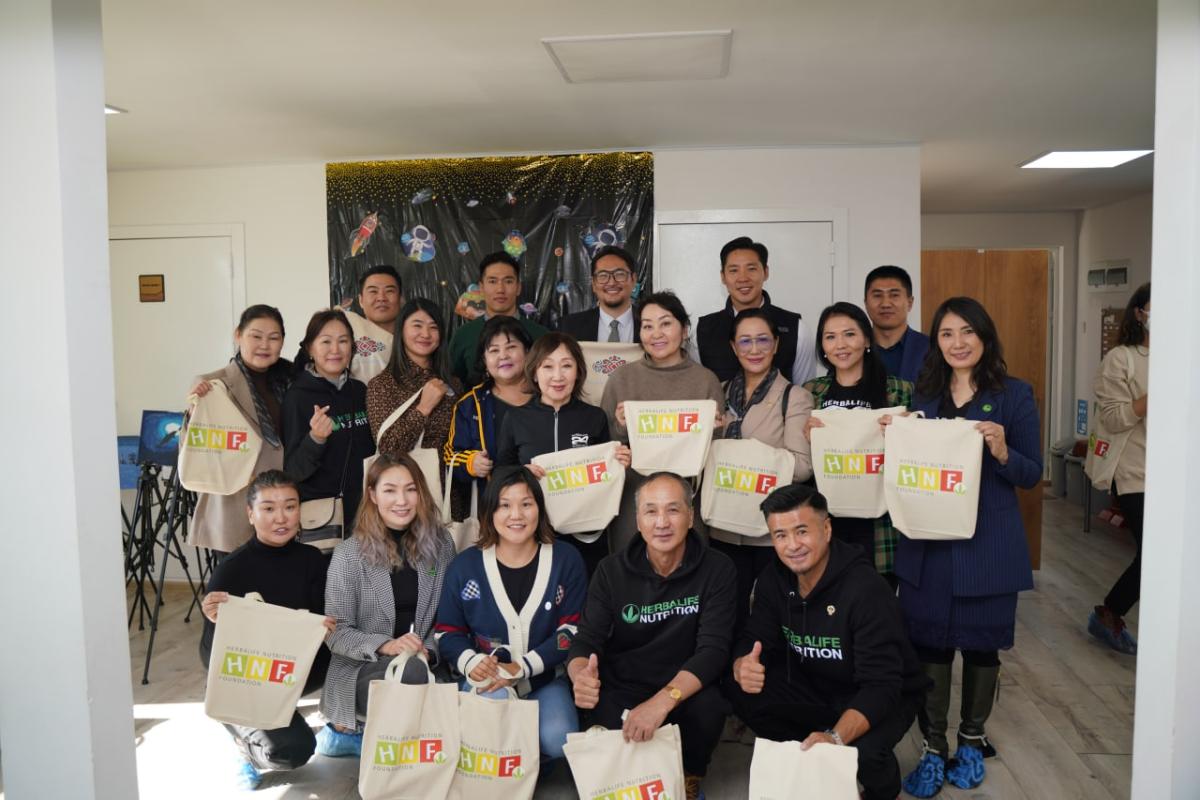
[
  {"x": 800, "y": 254},
  {"x": 158, "y": 348}
]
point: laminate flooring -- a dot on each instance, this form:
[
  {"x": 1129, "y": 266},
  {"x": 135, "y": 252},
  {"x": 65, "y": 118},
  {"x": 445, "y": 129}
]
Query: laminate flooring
[{"x": 1063, "y": 724}]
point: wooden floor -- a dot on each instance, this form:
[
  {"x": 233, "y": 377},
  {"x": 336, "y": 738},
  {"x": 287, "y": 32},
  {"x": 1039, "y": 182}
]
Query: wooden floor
[{"x": 1063, "y": 723}]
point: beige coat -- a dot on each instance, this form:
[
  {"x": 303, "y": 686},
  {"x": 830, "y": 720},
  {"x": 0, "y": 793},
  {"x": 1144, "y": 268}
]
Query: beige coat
[
  {"x": 1124, "y": 377},
  {"x": 221, "y": 522},
  {"x": 766, "y": 422}
]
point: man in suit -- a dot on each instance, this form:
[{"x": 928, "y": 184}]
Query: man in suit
[
  {"x": 614, "y": 274},
  {"x": 888, "y": 297},
  {"x": 744, "y": 270}
]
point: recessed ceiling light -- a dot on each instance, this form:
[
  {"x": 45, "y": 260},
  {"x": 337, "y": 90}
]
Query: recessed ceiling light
[
  {"x": 114, "y": 110},
  {"x": 1084, "y": 159}
]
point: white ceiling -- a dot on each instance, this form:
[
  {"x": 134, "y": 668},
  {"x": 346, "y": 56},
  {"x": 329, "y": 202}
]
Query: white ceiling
[{"x": 982, "y": 85}]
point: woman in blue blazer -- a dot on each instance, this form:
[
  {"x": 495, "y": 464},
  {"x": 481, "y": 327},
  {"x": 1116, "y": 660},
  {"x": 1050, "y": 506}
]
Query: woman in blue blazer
[{"x": 962, "y": 595}]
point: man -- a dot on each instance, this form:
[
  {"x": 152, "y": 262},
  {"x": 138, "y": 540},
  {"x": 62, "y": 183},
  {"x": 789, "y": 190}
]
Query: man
[
  {"x": 614, "y": 274},
  {"x": 889, "y": 299},
  {"x": 500, "y": 283},
  {"x": 824, "y": 656},
  {"x": 379, "y": 296},
  {"x": 655, "y": 632},
  {"x": 744, "y": 270}
]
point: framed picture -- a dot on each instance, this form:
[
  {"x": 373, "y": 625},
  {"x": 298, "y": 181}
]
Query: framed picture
[{"x": 159, "y": 441}]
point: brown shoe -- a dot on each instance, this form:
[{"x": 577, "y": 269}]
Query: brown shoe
[{"x": 691, "y": 787}]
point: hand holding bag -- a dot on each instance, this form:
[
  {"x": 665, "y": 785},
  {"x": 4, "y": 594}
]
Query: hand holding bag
[
  {"x": 582, "y": 488},
  {"x": 931, "y": 472},
  {"x": 670, "y": 435},
  {"x": 411, "y": 742},
  {"x": 261, "y": 657},
  {"x": 602, "y": 359},
  {"x": 739, "y": 475},
  {"x": 219, "y": 447},
  {"x": 465, "y": 533},
  {"x": 499, "y": 751},
  {"x": 427, "y": 458},
  {"x": 604, "y": 765},
  {"x": 847, "y": 457},
  {"x": 782, "y": 771}
]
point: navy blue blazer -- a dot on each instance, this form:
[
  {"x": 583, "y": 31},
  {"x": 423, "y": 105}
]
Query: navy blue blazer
[
  {"x": 996, "y": 560},
  {"x": 916, "y": 346}
]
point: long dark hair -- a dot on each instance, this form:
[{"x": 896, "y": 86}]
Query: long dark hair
[
  {"x": 991, "y": 371},
  {"x": 399, "y": 364},
  {"x": 874, "y": 375},
  {"x": 318, "y": 321},
  {"x": 1133, "y": 332},
  {"x": 488, "y": 535}
]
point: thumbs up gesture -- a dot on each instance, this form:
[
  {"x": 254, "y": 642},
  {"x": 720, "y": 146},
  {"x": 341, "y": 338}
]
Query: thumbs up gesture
[
  {"x": 585, "y": 675},
  {"x": 749, "y": 671}
]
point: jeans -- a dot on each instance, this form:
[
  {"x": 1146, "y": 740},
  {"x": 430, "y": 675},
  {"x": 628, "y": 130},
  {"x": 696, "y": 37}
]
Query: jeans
[{"x": 556, "y": 714}]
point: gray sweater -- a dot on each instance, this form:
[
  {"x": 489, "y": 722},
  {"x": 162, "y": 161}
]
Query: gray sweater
[{"x": 642, "y": 380}]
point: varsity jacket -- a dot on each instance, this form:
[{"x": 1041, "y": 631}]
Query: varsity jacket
[
  {"x": 472, "y": 431},
  {"x": 476, "y": 619}
]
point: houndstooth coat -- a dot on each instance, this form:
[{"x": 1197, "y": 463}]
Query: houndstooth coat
[{"x": 359, "y": 596}]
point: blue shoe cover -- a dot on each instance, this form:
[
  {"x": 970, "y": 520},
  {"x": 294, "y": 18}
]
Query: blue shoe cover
[
  {"x": 928, "y": 778},
  {"x": 248, "y": 778},
  {"x": 967, "y": 772},
  {"x": 335, "y": 744}
]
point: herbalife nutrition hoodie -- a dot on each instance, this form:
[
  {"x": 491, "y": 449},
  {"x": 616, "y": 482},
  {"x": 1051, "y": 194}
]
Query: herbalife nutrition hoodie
[
  {"x": 846, "y": 640},
  {"x": 644, "y": 628}
]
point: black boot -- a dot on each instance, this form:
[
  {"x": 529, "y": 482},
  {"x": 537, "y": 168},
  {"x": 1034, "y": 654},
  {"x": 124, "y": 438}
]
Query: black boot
[
  {"x": 930, "y": 773},
  {"x": 978, "y": 696}
]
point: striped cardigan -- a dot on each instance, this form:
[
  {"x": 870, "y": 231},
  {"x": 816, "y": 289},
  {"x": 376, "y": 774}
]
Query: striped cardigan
[{"x": 359, "y": 596}]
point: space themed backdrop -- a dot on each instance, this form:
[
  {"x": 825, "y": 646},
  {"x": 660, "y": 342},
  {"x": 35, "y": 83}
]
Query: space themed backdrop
[{"x": 433, "y": 219}]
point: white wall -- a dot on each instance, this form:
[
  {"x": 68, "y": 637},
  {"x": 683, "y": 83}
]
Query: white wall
[
  {"x": 1118, "y": 231},
  {"x": 880, "y": 188},
  {"x": 1056, "y": 231}
]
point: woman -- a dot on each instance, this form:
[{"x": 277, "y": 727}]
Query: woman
[
  {"x": 556, "y": 419},
  {"x": 382, "y": 590},
  {"x": 325, "y": 433},
  {"x": 666, "y": 372},
  {"x": 531, "y": 588},
  {"x": 417, "y": 365},
  {"x": 258, "y": 380},
  {"x": 962, "y": 595},
  {"x": 760, "y": 403},
  {"x": 478, "y": 416},
  {"x": 857, "y": 379},
  {"x": 286, "y": 573},
  {"x": 1121, "y": 394}
]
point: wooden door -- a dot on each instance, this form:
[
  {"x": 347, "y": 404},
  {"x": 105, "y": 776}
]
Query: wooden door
[{"x": 1014, "y": 287}]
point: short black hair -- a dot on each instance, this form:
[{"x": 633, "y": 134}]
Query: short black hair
[
  {"x": 754, "y": 313},
  {"x": 683, "y": 483},
  {"x": 499, "y": 326},
  {"x": 793, "y": 496},
  {"x": 744, "y": 243},
  {"x": 665, "y": 299},
  {"x": 380, "y": 269},
  {"x": 499, "y": 257},
  {"x": 888, "y": 271},
  {"x": 269, "y": 479},
  {"x": 619, "y": 252}
]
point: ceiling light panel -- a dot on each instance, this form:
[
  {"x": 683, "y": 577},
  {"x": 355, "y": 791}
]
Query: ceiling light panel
[
  {"x": 1084, "y": 159},
  {"x": 675, "y": 56}
]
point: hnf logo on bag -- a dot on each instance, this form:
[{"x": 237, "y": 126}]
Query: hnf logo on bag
[
  {"x": 217, "y": 438},
  {"x": 248, "y": 667},
  {"x": 483, "y": 763},
  {"x": 849, "y": 464},
  {"x": 919, "y": 477},
  {"x": 391, "y": 752},
  {"x": 1098, "y": 446},
  {"x": 651, "y": 787},
  {"x": 582, "y": 487},
  {"x": 652, "y": 424},
  {"x": 577, "y": 477},
  {"x": 671, "y": 436},
  {"x": 739, "y": 474},
  {"x": 747, "y": 481}
]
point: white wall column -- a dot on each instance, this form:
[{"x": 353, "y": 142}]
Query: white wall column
[
  {"x": 66, "y": 724},
  {"x": 1166, "y": 744}
]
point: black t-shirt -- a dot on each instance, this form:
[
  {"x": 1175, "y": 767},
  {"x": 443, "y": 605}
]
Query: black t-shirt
[
  {"x": 846, "y": 396},
  {"x": 404, "y": 591},
  {"x": 947, "y": 409},
  {"x": 518, "y": 581}
]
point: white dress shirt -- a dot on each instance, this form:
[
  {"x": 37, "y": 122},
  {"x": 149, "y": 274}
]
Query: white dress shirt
[{"x": 624, "y": 325}]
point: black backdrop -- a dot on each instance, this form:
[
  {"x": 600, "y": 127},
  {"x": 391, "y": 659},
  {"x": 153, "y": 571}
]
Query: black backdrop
[{"x": 435, "y": 218}]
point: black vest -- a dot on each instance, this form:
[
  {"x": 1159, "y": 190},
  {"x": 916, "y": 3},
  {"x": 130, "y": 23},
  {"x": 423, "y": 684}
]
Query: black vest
[{"x": 716, "y": 351}]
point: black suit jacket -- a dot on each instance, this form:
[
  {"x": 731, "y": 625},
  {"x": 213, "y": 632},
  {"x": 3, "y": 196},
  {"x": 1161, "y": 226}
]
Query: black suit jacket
[{"x": 584, "y": 324}]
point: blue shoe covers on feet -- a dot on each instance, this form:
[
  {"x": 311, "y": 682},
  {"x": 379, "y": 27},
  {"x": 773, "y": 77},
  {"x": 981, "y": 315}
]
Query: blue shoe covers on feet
[
  {"x": 928, "y": 778},
  {"x": 248, "y": 778},
  {"x": 967, "y": 771},
  {"x": 333, "y": 743}
]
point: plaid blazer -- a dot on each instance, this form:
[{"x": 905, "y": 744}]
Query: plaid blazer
[{"x": 359, "y": 596}]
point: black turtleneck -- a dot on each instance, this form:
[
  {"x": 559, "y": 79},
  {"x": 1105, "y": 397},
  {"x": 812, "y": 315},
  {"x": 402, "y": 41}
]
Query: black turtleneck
[
  {"x": 292, "y": 576},
  {"x": 404, "y": 589}
]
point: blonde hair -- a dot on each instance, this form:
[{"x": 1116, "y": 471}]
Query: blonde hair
[{"x": 420, "y": 541}]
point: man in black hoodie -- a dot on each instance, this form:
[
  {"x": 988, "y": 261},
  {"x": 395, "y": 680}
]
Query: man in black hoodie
[
  {"x": 655, "y": 633},
  {"x": 824, "y": 656}
]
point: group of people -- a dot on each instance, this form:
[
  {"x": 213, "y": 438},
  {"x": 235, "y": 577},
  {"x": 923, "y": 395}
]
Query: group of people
[{"x": 827, "y": 629}]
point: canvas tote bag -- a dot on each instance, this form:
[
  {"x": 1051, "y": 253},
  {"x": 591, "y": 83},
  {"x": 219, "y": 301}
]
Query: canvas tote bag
[
  {"x": 219, "y": 447},
  {"x": 739, "y": 475},
  {"x": 499, "y": 750},
  {"x": 605, "y": 766},
  {"x": 427, "y": 458},
  {"x": 602, "y": 359},
  {"x": 931, "y": 474},
  {"x": 1104, "y": 447},
  {"x": 261, "y": 657},
  {"x": 782, "y": 771},
  {"x": 410, "y": 744},
  {"x": 847, "y": 457},
  {"x": 670, "y": 435},
  {"x": 466, "y": 533},
  {"x": 582, "y": 488}
]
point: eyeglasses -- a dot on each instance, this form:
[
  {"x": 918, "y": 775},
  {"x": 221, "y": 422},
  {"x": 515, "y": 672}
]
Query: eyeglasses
[
  {"x": 604, "y": 276},
  {"x": 747, "y": 344}
]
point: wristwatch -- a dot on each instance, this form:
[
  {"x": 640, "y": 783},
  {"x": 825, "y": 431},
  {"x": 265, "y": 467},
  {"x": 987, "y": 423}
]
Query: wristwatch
[
  {"x": 674, "y": 693},
  {"x": 837, "y": 737}
]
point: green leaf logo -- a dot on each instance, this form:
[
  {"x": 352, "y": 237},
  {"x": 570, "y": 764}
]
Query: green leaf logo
[
  {"x": 440, "y": 758},
  {"x": 518, "y": 772},
  {"x": 630, "y": 613},
  {"x": 960, "y": 489}
]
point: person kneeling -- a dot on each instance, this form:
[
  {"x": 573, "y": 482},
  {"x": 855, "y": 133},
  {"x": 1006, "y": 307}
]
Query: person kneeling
[
  {"x": 510, "y": 606},
  {"x": 824, "y": 656},
  {"x": 656, "y": 630}
]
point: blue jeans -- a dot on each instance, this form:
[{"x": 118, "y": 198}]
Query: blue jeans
[{"x": 556, "y": 714}]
